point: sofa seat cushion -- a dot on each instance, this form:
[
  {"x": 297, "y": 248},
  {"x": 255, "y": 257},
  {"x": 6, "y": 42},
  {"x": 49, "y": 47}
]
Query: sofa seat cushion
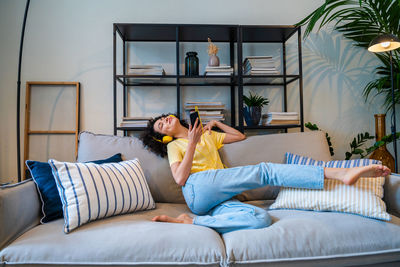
[
  {"x": 316, "y": 238},
  {"x": 120, "y": 240}
]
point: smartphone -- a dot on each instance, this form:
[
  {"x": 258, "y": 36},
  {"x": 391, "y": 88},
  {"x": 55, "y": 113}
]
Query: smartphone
[{"x": 193, "y": 116}]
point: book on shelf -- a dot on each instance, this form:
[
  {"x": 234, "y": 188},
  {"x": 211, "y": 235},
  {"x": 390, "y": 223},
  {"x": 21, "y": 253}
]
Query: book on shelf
[
  {"x": 205, "y": 107},
  {"x": 134, "y": 124},
  {"x": 136, "y": 118},
  {"x": 203, "y": 114},
  {"x": 218, "y": 70},
  {"x": 265, "y": 65},
  {"x": 258, "y": 59},
  {"x": 203, "y": 103},
  {"x": 280, "y": 122},
  {"x": 205, "y": 120},
  {"x": 135, "y": 121},
  {"x": 261, "y": 72},
  {"x": 146, "y": 70},
  {"x": 259, "y": 65},
  {"x": 280, "y": 118},
  {"x": 220, "y": 67},
  {"x": 281, "y": 113},
  {"x": 208, "y": 111},
  {"x": 212, "y": 117},
  {"x": 190, "y": 105}
]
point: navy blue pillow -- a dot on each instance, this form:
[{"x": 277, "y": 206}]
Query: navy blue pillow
[{"x": 43, "y": 177}]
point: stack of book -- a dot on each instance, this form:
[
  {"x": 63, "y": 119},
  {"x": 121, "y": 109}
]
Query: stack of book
[
  {"x": 259, "y": 65},
  {"x": 135, "y": 122},
  {"x": 146, "y": 70},
  {"x": 220, "y": 70},
  {"x": 208, "y": 111},
  {"x": 280, "y": 118}
]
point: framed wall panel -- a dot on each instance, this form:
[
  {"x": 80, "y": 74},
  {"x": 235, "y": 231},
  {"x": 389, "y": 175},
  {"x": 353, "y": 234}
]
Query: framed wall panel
[{"x": 52, "y": 119}]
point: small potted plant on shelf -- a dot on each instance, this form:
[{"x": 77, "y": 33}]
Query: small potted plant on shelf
[{"x": 252, "y": 111}]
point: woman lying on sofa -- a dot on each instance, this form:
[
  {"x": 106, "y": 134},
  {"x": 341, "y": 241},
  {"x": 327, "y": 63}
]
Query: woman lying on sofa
[{"x": 208, "y": 187}]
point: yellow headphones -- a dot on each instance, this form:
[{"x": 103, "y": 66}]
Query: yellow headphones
[{"x": 166, "y": 139}]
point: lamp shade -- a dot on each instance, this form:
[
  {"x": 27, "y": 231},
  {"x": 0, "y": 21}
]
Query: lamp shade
[{"x": 383, "y": 43}]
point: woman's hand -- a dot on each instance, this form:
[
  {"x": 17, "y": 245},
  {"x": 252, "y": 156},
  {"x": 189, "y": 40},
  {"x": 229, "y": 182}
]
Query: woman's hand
[
  {"x": 209, "y": 126},
  {"x": 194, "y": 133},
  {"x": 232, "y": 135}
]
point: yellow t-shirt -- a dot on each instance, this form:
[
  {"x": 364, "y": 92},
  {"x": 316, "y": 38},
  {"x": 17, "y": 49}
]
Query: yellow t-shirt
[{"x": 206, "y": 156}]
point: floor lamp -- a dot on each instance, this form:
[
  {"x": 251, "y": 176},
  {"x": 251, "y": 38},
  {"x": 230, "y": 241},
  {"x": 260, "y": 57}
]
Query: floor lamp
[
  {"x": 21, "y": 46},
  {"x": 387, "y": 43}
]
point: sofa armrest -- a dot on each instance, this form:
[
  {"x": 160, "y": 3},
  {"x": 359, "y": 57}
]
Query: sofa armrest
[
  {"x": 392, "y": 194},
  {"x": 19, "y": 210}
]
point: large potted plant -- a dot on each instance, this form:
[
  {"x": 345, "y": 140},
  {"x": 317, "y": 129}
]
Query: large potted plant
[
  {"x": 361, "y": 21},
  {"x": 253, "y": 108}
]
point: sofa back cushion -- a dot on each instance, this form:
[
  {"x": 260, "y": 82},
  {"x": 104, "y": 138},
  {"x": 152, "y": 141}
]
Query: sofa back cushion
[
  {"x": 253, "y": 150},
  {"x": 272, "y": 148},
  {"x": 156, "y": 169}
]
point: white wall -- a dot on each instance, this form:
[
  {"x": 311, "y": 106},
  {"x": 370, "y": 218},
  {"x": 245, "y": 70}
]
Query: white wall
[{"x": 72, "y": 41}]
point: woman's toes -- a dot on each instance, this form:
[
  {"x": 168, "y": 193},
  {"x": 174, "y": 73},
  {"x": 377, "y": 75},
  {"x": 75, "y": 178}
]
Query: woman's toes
[
  {"x": 381, "y": 170},
  {"x": 386, "y": 171}
]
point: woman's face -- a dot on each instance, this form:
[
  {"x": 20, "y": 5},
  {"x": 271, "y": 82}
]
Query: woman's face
[{"x": 166, "y": 125}]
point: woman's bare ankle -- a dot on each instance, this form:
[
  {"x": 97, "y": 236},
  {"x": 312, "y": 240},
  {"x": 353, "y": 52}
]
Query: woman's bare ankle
[
  {"x": 183, "y": 218},
  {"x": 335, "y": 173},
  {"x": 348, "y": 176}
]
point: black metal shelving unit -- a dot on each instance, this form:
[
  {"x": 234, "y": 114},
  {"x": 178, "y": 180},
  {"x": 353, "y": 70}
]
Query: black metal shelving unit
[{"x": 232, "y": 34}]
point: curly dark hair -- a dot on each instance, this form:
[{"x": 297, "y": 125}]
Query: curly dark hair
[{"x": 149, "y": 134}]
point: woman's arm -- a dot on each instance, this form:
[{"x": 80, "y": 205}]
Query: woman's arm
[
  {"x": 181, "y": 170},
  {"x": 232, "y": 135}
]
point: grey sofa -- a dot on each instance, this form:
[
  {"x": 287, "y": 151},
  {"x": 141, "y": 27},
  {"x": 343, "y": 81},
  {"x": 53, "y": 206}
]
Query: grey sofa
[{"x": 301, "y": 238}]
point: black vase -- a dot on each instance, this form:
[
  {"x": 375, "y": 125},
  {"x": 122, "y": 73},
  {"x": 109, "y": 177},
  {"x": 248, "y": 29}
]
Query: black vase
[
  {"x": 255, "y": 114},
  {"x": 191, "y": 64}
]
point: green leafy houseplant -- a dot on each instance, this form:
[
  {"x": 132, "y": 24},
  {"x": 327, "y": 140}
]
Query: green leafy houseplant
[
  {"x": 254, "y": 103},
  {"x": 357, "y": 143},
  {"x": 361, "y": 21},
  {"x": 255, "y": 100}
]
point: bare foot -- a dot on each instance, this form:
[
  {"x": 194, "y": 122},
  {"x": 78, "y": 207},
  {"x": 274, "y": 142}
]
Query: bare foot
[
  {"x": 183, "y": 218},
  {"x": 351, "y": 175}
]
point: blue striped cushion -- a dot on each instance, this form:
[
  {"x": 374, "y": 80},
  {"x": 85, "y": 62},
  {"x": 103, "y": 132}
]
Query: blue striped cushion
[
  {"x": 363, "y": 198},
  {"x": 91, "y": 191},
  {"x": 301, "y": 160}
]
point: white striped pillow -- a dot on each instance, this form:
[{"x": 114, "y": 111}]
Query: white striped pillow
[
  {"x": 363, "y": 198},
  {"x": 91, "y": 191}
]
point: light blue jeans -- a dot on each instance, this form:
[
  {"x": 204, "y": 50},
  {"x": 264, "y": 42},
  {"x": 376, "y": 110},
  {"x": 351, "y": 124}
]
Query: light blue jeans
[{"x": 209, "y": 194}]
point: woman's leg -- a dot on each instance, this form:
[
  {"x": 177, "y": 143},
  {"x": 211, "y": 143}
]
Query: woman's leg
[
  {"x": 233, "y": 215},
  {"x": 204, "y": 190},
  {"x": 229, "y": 216}
]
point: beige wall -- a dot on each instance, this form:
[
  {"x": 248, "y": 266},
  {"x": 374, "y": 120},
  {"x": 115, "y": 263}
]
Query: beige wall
[{"x": 72, "y": 41}]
